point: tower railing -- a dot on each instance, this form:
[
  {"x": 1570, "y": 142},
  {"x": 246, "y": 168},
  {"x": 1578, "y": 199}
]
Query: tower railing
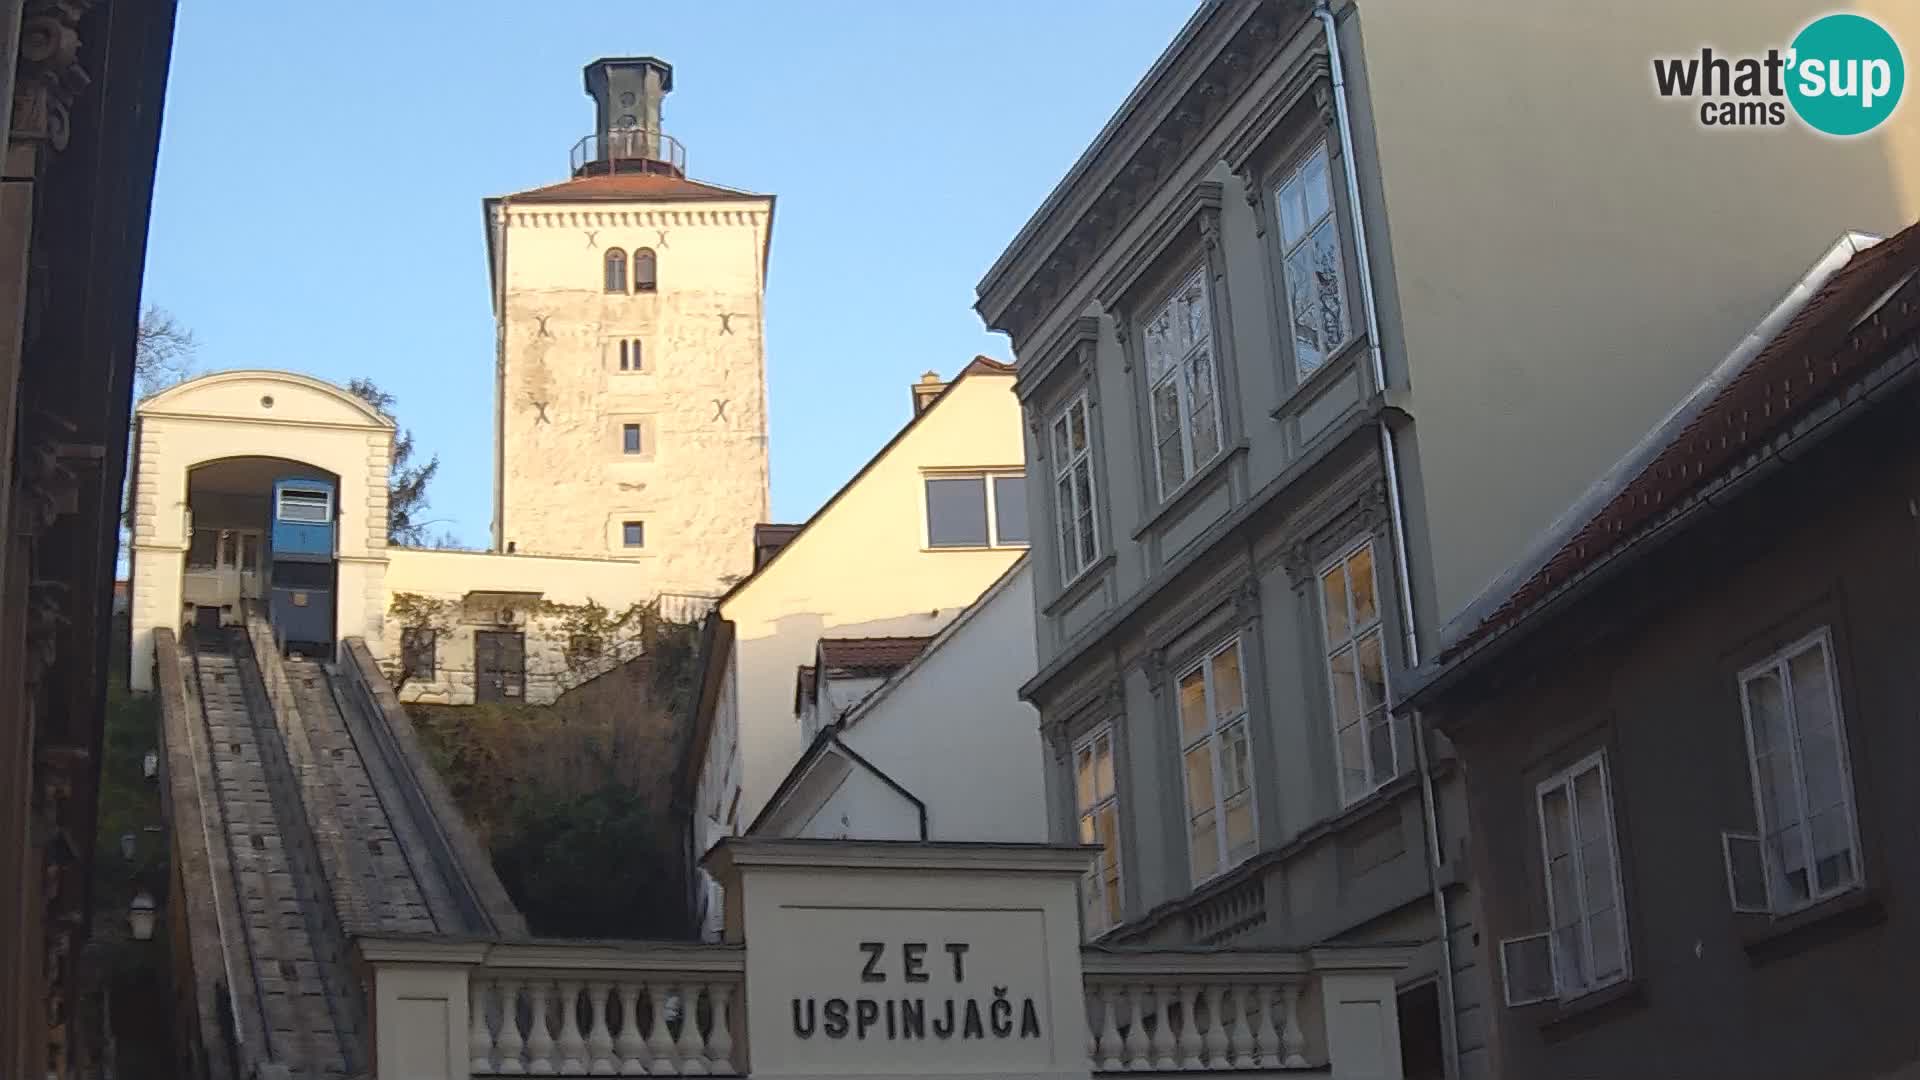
[{"x": 634, "y": 149}]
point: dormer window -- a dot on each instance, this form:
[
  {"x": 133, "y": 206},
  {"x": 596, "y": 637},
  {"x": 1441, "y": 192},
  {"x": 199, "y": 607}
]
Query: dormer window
[
  {"x": 616, "y": 270},
  {"x": 644, "y": 269}
]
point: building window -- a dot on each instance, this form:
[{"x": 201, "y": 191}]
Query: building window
[
  {"x": 1097, "y": 805},
  {"x": 1808, "y": 846},
  {"x": 616, "y": 271},
  {"x": 1183, "y": 383},
  {"x": 645, "y": 269},
  {"x": 1073, "y": 490},
  {"x": 630, "y": 354},
  {"x": 417, "y": 652},
  {"x": 1310, "y": 254},
  {"x": 633, "y": 534},
  {"x": 1365, "y": 734},
  {"x": 982, "y": 510},
  {"x": 630, "y": 438},
  {"x": 203, "y": 549},
  {"x": 1586, "y": 943},
  {"x": 306, "y": 505},
  {"x": 1216, "y": 762}
]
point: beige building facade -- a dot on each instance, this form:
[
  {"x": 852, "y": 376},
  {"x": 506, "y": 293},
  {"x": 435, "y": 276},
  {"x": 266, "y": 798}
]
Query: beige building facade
[
  {"x": 631, "y": 413},
  {"x": 1336, "y": 313},
  {"x": 872, "y": 563}
]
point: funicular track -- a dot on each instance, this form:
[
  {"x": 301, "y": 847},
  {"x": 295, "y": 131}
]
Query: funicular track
[{"x": 300, "y": 989}]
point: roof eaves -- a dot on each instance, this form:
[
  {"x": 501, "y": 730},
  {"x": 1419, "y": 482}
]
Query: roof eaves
[
  {"x": 960, "y": 621},
  {"x": 1623, "y": 472},
  {"x": 1044, "y": 217},
  {"x": 998, "y": 369}
]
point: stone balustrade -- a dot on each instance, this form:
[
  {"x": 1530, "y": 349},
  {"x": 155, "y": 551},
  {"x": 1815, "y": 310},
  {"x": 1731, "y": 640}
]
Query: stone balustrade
[
  {"x": 605, "y": 1010},
  {"x": 1191, "y": 1010},
  {"x": 636, "y": 1008}
]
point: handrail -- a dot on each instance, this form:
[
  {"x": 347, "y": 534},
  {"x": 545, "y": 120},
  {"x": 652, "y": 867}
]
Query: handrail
[{"x": 635, "y": 144}]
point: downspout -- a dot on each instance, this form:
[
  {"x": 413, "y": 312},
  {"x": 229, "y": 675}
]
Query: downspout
[{"x": 1396, "y": 518}]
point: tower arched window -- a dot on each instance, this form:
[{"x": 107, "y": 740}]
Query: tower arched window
[
  {"x": 645, "y": 267},
  {"x": 616, "y": 269}
]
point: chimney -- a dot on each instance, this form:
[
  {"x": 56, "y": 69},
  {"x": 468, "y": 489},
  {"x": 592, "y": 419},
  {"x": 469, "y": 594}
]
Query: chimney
[
  {"x": 627, "y": 137},
  {"x": 925, "y": 391}
]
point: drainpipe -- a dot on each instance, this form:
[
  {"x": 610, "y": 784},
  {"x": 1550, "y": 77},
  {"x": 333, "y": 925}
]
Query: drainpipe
[{"x": 1449, "y": 1029}]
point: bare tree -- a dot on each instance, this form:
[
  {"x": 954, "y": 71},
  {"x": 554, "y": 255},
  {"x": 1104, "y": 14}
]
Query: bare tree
[{"x": 163, "y": 353}]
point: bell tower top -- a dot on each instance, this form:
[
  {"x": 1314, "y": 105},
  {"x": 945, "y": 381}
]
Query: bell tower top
[{"x": 627, "y": 136}]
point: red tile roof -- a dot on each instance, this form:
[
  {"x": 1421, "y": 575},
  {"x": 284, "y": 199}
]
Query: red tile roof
[
  {"x": 626, "y": 186},
  {"x": 871, "y": 655},
  {"x": 1811, "y": 360}
]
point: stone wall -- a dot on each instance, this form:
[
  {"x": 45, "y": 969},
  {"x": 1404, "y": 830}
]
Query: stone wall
[{"x": 699, "y": 483}]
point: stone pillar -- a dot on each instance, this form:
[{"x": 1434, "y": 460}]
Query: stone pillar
[
  {"x": 1362, "y": 1025},
  {"x": 840, "y": 934},
  {"x": 420, "y": 1025}
]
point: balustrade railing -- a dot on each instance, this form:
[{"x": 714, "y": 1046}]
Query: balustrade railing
[
  {"x": 611, "y": 1011},
  {"x": 1179, "y": 1011}
]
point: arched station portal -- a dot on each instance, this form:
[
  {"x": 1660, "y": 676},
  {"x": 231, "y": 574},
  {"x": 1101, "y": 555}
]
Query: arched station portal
[
  {"x": 219, "y": 462},
  {"x": 263, "y": 529}
]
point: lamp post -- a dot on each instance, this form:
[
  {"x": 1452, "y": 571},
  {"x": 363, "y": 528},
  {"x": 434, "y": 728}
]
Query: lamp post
[{"x": 140, "y": 916}]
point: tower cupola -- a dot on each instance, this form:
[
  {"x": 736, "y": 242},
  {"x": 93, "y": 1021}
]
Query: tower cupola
[{"x": 627, "y": 136}]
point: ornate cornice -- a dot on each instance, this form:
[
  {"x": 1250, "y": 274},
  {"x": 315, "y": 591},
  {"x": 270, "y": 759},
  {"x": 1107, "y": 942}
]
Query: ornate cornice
[
  {"x": 48, "y": 76},
  {"x": 524, "y": 217},
  {"x": 1363, "y": 513},
  {"x": 1199, "y": 106},
  {"x": 1076, "y": 348}
]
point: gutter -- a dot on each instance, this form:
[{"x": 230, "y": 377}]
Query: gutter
[
  {"x": 1409, "y": 628},
  {"x": 1899, "y": 371}
]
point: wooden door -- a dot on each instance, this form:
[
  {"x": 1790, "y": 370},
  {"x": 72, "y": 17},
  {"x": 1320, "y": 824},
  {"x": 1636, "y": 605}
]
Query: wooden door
[{"x": 499, "y": 665}]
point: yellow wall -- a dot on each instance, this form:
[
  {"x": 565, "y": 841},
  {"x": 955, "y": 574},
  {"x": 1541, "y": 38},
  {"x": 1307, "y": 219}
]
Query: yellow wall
[
  {"x": 1570, "y": 252},
  {"x": 566, "y": 485},
  {"x": 862, "y": 569}
]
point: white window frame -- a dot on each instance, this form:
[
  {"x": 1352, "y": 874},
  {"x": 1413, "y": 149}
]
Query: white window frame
[
  {"x": 1328, "y": 349},
  {"x": 326, "y": 504},
  {"x": 1214, "y": 740},
  {"x": 1098, "y": 904},
  {"x": 986, "y": 478},
  {"x": 1069, "y": 507},
  {"x": 1176, "y": 370},
  {"x": 1564, "y": 781},
  {"x": 1357, "y": 633},
  {"x": 1779, "y": 663}
]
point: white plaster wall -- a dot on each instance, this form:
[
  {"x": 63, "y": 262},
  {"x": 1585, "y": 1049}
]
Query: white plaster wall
[
  {"x": 565, "y": 484},
  {"x": 862, "y": 568},
  {"x": 248, "y": 414},
  {"x": 862, "y": 807},
  {"x": 954, "y": 732}
]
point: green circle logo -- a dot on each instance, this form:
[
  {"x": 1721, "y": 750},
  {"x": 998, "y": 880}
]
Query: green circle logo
[{"x": 1846, "y": 74}]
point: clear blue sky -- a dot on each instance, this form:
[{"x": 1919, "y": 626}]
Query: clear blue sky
[{"x": 322, "y": 166}]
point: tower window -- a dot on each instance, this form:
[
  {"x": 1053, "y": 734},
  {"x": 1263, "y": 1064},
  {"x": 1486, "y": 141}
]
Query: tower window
[
  {"x": 616, "y": 268},
  {"x": 633, "y": 534},
  {"x": 645, "y": 267},
  {"x": 629, "y": 438},
  {"x": 630, "y": 354}
]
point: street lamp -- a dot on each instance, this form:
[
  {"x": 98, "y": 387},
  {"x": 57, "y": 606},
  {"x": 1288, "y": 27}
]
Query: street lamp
[{"x": 140, "y": 916}]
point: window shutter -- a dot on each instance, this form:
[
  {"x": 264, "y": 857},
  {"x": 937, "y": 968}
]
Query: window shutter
[
  {"x": 1746, "y": 862},
  {"x": 1526, "y": 969}
]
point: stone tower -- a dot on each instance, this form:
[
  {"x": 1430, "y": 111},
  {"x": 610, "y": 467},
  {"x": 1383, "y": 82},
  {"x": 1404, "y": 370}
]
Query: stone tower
[{"x": 630, "y": 414}]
